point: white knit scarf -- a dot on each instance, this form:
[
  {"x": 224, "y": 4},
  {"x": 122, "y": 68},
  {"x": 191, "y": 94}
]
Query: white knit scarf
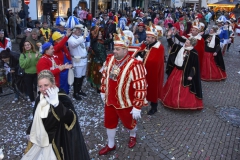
[
  {"x": 212, "y": 43},
  {"x": 179, "y": 59},
  {"x": 38, "y": 134}
]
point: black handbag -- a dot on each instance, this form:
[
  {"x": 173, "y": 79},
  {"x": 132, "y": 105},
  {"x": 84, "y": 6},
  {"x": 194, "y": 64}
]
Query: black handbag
[{"x": 21, "y": 71}]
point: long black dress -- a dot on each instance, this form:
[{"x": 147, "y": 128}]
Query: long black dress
[{"x": 64, "y": 131}]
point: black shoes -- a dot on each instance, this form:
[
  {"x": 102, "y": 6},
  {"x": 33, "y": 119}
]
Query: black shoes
[
  {"x": 81, "y": 93},
  {"x": 77, "y": 97},
  {"x": 152, "y": 111}
]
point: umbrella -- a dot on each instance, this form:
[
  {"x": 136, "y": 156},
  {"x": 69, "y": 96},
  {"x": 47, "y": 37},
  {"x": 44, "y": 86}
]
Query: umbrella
[{"x": 72, "y": 21}]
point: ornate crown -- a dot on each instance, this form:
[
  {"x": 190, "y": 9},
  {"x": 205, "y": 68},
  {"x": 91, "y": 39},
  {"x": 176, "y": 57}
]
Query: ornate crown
[
  {"x": 121, "y": 39},
  {"x": 152, "y": 30}
]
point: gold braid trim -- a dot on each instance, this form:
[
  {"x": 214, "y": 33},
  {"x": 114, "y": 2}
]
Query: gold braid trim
[
  {"x": 72, "y": 124},
  {"x": 54, "y": 114},
  {"x": 62, "y": 153},
  {"x": 29, "y": 146},
  {"x": 56, "y": 150}
]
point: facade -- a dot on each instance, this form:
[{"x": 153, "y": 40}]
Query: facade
[{"x": 62, "y": 7}]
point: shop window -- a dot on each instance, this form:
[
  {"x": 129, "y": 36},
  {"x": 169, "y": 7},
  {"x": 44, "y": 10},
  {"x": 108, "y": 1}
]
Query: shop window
[{"x": 59, "y": 7}]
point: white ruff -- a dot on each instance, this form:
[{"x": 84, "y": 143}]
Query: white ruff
[
  {"x": 38, "y": 134},
  {"x": 179, "y": 59}
]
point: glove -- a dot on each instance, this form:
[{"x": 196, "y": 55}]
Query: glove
[
  {"x": 52, "y": 97},
  {"x": 136, "y": 113},
  {"x": 85, "y": 32},
  {"x": 103, "y": 97}
]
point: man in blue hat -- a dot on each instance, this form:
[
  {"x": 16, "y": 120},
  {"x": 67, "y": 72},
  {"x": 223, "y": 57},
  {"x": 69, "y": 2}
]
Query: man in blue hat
[{"x": 50, "y": 61}]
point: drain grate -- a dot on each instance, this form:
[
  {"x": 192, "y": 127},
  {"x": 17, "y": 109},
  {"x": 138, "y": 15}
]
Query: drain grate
[{"x": 229, "y": 114}]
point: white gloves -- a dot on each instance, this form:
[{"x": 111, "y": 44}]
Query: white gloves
[
  {"x": 85, "y": 32},
  {"x": 103, "y": 97},
  {"x": 52, "y": 97},
  {"x": 136, "y": 113}
]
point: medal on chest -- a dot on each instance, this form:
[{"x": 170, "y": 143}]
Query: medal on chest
[{"x": 114, "y": 72}]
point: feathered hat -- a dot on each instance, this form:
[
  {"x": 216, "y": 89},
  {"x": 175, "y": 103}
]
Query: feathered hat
[
  {"x": 151, "y": 30},
  {"x": 121, "y": 39}
]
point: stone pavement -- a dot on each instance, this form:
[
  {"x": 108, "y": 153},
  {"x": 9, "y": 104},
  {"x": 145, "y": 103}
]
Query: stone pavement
[{"x": 210, "y": 134}]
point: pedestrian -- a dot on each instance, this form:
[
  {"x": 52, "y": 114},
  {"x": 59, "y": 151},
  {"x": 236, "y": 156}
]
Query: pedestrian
[
  {"x": 153, "y": 60},
  {"x": 11, "y": 65},
  {"x": 27, "y": 33},
  {"x": 60, "y": 50},
  {"x": 36, "y": 40},
  {"x": 46, "y": 32},
  {"x": 22, "y": 15},
  {"x": 199, "y": 47},
  {"x": 30, "y": 23},
  {"x": 54, "y": 132},
  {"x": 4, "y": 41},
  {"x": 213, "y": 68},
  {"x": 78, "y": 52},
  {"x": 51, "y": 62},
  {"x": 28, "y": 61},
  {"x": 122, "y": 100},
  {"x": 99, "y": 56},
  {"x": 183, "y": 88}
]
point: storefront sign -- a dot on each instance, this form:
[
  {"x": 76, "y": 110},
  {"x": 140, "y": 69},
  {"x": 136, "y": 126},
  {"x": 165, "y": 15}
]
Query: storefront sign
[{"x": 27, "y": 2}]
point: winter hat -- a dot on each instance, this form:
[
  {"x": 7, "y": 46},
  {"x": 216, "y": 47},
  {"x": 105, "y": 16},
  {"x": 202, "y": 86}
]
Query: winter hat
[{"x": 46, "y": 46}]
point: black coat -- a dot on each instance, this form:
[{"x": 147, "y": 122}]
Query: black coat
[
  {"x": 64, "y": 138},
  {"x": 218, "y": 58},
  {"x": 190, "y": 68}
]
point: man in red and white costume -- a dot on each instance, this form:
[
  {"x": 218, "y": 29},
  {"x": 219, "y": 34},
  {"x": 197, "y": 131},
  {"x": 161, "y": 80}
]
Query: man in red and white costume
[
  {"x": 52, "y": 62},
  {"x": 152, "y": 56},
  {"x": 199, "y": 47},
  {"x": 180, "y": 26},
  {"x": 123, "y": 91},
  {"x": 197, "y": 22}
]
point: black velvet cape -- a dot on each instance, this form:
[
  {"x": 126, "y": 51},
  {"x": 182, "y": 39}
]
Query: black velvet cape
[
  {"x": 64, "y": 131},
  {"x": 190, "y": 68}
]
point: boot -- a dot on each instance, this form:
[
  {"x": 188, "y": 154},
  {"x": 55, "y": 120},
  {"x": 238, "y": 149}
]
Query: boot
[
  {"x": 80, "y": 92},
  {"x": 153, "y": 108},
  {"x": 1, "y": 91},
  {"x": 76, "y": 89}
]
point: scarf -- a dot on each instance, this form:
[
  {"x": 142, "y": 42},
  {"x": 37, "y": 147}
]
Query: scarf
[
  {"x": 38, "y": 134},
  {"x": 179, "y": 59},
  {"x": 212, "y": 43},
  {"x": 198, "y": 37}
]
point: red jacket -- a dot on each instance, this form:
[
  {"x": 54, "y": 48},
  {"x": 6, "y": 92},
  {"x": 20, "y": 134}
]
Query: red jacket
[
  {"x": 177, "y": 26},
  {"x": 130, "y": 87},
  {"x": 154, "y": 64},
  {"x": 50, "y": 63},
  {"x": 60, "y": 49}
]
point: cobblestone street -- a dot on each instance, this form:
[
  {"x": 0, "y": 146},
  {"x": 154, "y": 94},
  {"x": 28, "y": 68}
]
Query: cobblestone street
[{"x": 210, "y": 134}]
